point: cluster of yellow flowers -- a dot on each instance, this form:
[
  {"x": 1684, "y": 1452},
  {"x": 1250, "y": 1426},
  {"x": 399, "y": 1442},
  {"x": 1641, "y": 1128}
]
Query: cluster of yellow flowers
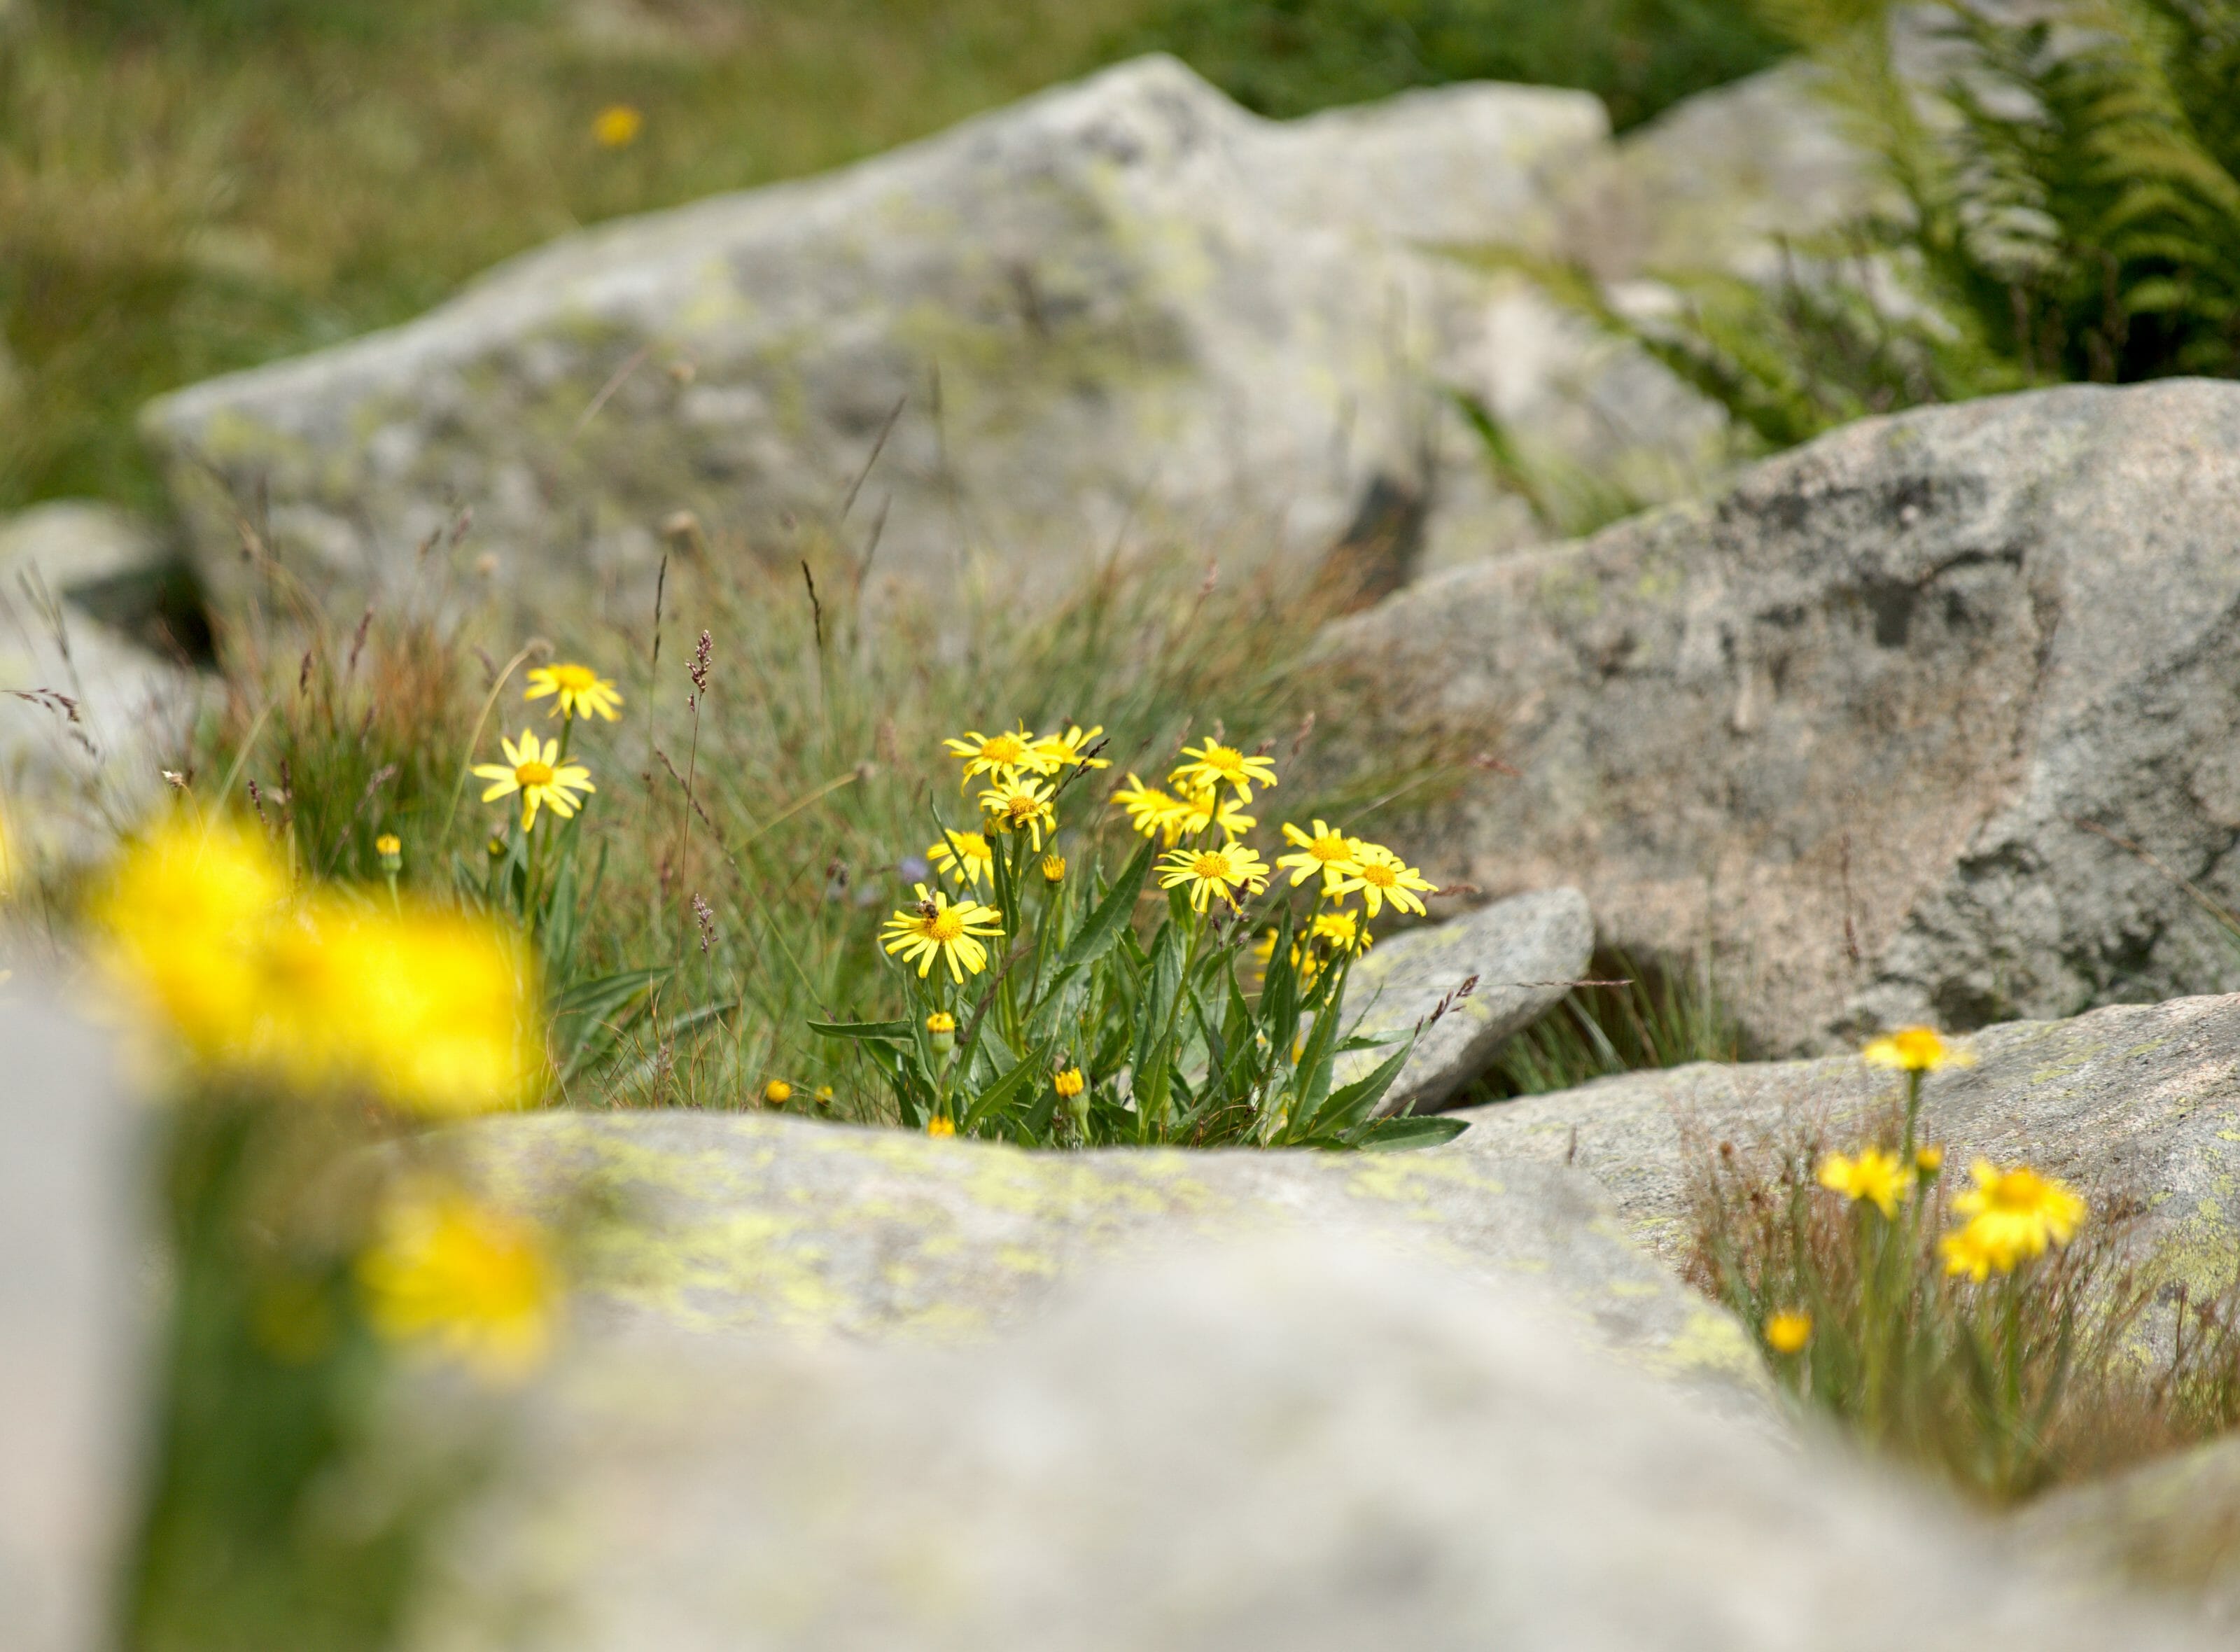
[{"x": 432, "y": 1010}]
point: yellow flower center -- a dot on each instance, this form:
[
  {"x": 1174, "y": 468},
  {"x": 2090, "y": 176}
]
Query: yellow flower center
[
  {"x": 945, "y": 925},
  {"x": 1021, "y": 806},
  {"x": 1211, "y": 866},
  {"x": 1327, "y": 849},
  {"x": 1222, "y": 760},
  {"x": 575, "y": 677},
  {"x": 1005, "y": 749},
  {"x": 1382, "y": 876},
  {"x": 1918, "y": 1047},
  {"x": 533, "y": 774}
]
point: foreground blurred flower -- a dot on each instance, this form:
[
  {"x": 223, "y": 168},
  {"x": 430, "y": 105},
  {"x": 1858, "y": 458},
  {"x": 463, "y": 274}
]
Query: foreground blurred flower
[
  {"x": 534, "y": 769},
  {"x": 1211, "y": 873},
  {"x": 941, "y": 1124},
  {"x": 1381, "y": 875},
  {"x": 1215, "y": 764},
  {"x": 1916, "y": 1050},
  {"x": 2014, "y": 1216},
  {"x": 455, "y": 1278},
  {"x": 1873, "y": 1177},
  {"x": 936, "y": 930},
  {"x": 617, "y": 126},
  {"x": 1788, "y": 1332},
  {"x": 580, "y": 691},
  {"x": 181, "y": 923}
]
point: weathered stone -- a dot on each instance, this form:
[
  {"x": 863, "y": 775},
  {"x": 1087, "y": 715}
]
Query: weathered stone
[
  {"x": 729, "y": 1223},
  {"x": 69, "y": 1327},
  {"x": 2137, "y": 1099},
  {"x": 1302, "y": 1448},
  {"x": 2171, "y": 1527},
  {"x": 1126, "y": 306},
  {"x": 1862, "y": 726},
  {"x": 1523, "y": 953}
]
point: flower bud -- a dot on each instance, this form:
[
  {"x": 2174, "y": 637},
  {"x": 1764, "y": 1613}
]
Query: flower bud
[
  {"x": 1053, "y": 868},
  {"x": 390, "y": 851},
  {"x": 776, "y": 1093},
  {"x": 943, "y": 1027}
]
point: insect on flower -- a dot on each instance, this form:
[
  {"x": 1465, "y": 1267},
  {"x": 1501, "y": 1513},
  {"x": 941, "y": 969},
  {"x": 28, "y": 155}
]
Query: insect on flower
[{"x": 934, "y": 931}]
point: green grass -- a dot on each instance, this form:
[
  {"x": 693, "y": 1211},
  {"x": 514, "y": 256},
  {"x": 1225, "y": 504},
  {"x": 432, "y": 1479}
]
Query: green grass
[{"x": 194, "y": 186}]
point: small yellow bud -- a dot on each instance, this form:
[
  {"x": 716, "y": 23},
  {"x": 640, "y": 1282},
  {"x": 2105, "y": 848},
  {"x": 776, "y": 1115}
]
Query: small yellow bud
[
  {"x": 390, "y": 851},
  {"x": 824, "y": 1095},
  {"x": 495, "y": 849},
  {"x": 617, "y": 126},
  {"x": 941, "y": 1124},
  {"x": 1071, "y": 1082},
  {"x": 777, "y": 1093},
  {"x": 1788, "y": 1332},
  {"x": 942, "y": 1026},
  {"x": 1053, "y": 868},
  {"x": 1931, "y": 1159}
]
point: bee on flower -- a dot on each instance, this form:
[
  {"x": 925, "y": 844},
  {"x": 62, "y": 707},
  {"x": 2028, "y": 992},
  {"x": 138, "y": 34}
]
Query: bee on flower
[
  {"x": 935, "y": 931},
  {"x": 533, "y": 769},
  {"x": 575, "y": 691}
]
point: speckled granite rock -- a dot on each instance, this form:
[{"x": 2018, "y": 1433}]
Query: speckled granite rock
[
  {"x": 2173, "y": 1526},
  {"x": 2141, "y": 1096},
  {"x": 741, "y": 1224},
  {"x": 1291, "y": 1449},
  {"x": 1850, "y": 725},
  {"x": 1522, "y": 951}
]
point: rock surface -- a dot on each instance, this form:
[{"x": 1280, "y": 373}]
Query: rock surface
[
  {"x": 2171, "y": 1527},
  {"x": 2142, "y": 1099},
  {"x": 1295, "y": 1448},
  {"x": 69, "y": 1266},
  {"x": 1523, "y": 953},
  {"x": 1862, "y": 724},
  {"x": 724, "y": 1223},
  {"x": 1125, "y": 309}
]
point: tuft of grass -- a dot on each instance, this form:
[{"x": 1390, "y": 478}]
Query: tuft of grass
[{"x": 1655, "y": 1017}]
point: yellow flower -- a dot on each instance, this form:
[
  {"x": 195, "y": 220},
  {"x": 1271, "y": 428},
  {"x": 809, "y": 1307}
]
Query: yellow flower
[
  {"x": 1916, "y": 1050},
  {"x": 1021, "y": 806},
  {"x": 1323, "y": 852},
  {"x": 1215, "y": 764},
  {"x": 459, "y": 1279},
  {"x": 941, "y": 1124},
  {"x": 1069, "y": 751},
  {"x": 1340, "y": 932},
  {"x": 1788, "y": 1332},
  {"x": 1070, "y": 1083},
  {"x": 1151, "y": 813},
  {"x": 1381, "y": 875},
  {"x": 2014, "y": 1215},
  {"x": 1214, "y": 872},
  {"x": 388, "y": 844},
  {"x": 1053, "y": 868},
  {"x": 935, "y": 930},
  {"x": 580, "y": 691},
  {"x": 534, "y": 769},
  {"x": 1874, "y": 1176},
  {"x": 1000, "y": 756},
  {"x": 617, "y": 126},
  {"x": 963, "y": 856},
  {"x": 940, "y": 1021},
  {"x": 1207, "y": 807},
  {"x": 776, "y": 1093},
  {"x": 1930, "y": 1159}
]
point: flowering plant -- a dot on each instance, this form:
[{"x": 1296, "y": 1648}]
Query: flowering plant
[{"x": 1042, "y": 1011}]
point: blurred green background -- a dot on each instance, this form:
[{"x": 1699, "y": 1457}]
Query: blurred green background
[{"x": 192, "y": 186}]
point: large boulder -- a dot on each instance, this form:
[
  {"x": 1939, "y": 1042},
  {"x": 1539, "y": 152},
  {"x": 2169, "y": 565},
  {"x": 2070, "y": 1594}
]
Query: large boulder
[
  {"x": 1122, "y": 309},
  {"x": 1938, "y": 718},
  {"x": 731, "y": 1225},
  {"x": 2134, "y": 1100},
  {"x": 2172, "y": 1526},
  {"x": 1297, "y": 1447}
]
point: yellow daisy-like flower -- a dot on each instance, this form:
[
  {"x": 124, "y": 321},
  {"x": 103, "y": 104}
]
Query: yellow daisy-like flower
[
  {"x": 936, "y": 930},
  {"x": 1324, "y": 852},
  {"x": 1000, "y": 756},
  {"x": 1215, "y": 764},
  {"x": 617, "y": 126},
  {"x": 1788, "y": 1332},
  {"x": 1206, "y": 808},
  {"x": 1381, "y": 875},
  {"x": 1341, "y": 932},
  {"x": 1070, "y": 1083},
  {"x": 2014, "y": 1215},
  {"x": 1069, "y": 751},
  {"x": 1208, "y": 873},
  {"x": 578, "y": 692},
  {"x": 1874, "y": 1176},
  {"x": 459, "y": 1279},
  {"x": 1151, "y": 813},
  {"x": 1916, "y": 1050},
  {"x": 1021, "y": 806},
  {"x": 963, "y": 856},
  {"x": 534, "y": 769},
  {"x": 941, "y": 1124}
]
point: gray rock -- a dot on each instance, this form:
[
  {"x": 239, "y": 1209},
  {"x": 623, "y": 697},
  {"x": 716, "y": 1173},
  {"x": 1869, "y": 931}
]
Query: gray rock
[
  {"x": 730, "y": 1224},
  {"x": 1125, "y": 306},
  {"x": 2141, "y": 1099},
  {"x": 69, "y": 1327},
  {"x": 1862, "y": 726},
  {"x": 2171, "y": 1527},
  {"x": 1523, "y": 953},
  {"x": 1297, "y": 1447}
]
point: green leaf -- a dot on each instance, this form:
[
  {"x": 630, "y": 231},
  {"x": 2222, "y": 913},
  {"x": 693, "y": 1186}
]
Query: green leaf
[
  {"x": 584, "y": 1016},
  {"x": 1000, "y": 1093},
  {"x": 1406, "y": 1134},
  {"x": 1110, "y": 919},
  {"x": 1350, "y": 1105},
  {"x": 896, "y": 1030}
]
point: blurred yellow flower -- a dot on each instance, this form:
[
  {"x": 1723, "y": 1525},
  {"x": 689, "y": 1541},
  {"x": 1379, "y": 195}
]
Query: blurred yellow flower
[
  {"x": 388, "y": 844},
  {"x": 1211, "y": 874},
  {"x": 2014, "y": 1215},
  {"x": 1069, "y": 749},
  {"x": 965, "y": 856},
  {"x": 1788, "y": 1332},
  {"x": 1215, "y": 764},
  {"x": 1931, "y": 1159},
  {"x": 1381, "y": 875},
  {"x": 578, "y": 690},
  {"x": 1152, "y": 813},
  {"x": 1206, "y": 807},
  {"x": 1873, "y": 1176},
  {"x": 452, "y": 1277},
  {"x": 1341, "y": 932},
  {"x": 1021, "y": 806},
  {"x": 940, "y": 1021},
  {"x": 534, "y": 769},
  {"x": 941, "y": 1124},
  {"x": 1324, "y": 852},
  {"x": 934, "y": 931},
  {"x": 1916, "y": 1050},
  {"x": 617, "y": 126},
  {"x": 776, "y": 1093},
  {"x": 999, "y": 757},
  {"x": 1053, "y": 868}
]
